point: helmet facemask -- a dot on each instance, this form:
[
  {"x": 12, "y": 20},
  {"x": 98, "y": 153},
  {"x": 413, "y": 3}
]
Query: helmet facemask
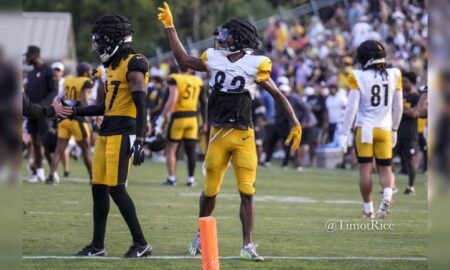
[
  {"x": 225, "y": 42},
  {"x": 106, "y": 47}
]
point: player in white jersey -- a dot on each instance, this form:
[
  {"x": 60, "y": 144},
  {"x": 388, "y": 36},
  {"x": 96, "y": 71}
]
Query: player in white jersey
[
  {"x": 376, "y": 101},
  {"x": 235, "y": 74}
]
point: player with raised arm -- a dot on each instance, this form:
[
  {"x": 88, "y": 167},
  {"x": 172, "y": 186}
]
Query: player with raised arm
[
  {"x": 376, "y": 100},
  {"x": 122, "y": 131},
  {"x": 235, "y": 75}
]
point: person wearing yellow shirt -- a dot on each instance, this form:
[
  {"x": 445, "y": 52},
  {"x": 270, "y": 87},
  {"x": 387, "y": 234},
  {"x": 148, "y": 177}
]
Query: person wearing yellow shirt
[{"x": 185, "y": 94}]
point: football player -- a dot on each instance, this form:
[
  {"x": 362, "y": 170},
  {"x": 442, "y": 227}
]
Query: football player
[
  {"x": 185, "y": 91},
  {"x": 235, "y": 75},
  {"x": 122, "y": 131},
  {"x": 76, "y": 91},
  {"x": 408, "y": 135},
  {"x": 376, "y": 100}
]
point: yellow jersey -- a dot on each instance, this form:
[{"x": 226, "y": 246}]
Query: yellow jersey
[
  {"x": 120, "y": 111},
  {"x": 189, "y": 88},
  {"x": 73, "y": 88}
]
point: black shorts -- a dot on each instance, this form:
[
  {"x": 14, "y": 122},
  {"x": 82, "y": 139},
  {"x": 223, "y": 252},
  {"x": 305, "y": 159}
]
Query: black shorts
[
  {"x": 406, "y": 147},
  {"x": 37, "y": 126},
  {"x": 422, "y": 143},
  {"x": 310, "y": 135}
]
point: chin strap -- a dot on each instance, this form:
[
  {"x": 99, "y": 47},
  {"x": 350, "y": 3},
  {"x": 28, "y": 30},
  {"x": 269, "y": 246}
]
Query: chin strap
[
  {"x": 105, "y": 56},
  {"x": 375, "y": 61}
]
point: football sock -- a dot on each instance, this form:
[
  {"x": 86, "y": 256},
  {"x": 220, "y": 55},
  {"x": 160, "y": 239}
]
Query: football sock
[
  {"x": 128, "y": 211},
  {"x": 368, "y": 207},
  {"x": 189, "y": 147},
  {"x": 387, "y": 194},
  {"x": 172, "y": 178},
  {"x": 40, "y": 173},
  {"x": 100, "y": 197}
]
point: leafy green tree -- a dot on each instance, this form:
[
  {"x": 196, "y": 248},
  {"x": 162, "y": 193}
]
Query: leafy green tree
[{"x": 195, "y": 19}]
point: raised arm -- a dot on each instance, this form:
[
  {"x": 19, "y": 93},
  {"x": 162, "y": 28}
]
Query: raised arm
[{"x": 183, "y": 58}]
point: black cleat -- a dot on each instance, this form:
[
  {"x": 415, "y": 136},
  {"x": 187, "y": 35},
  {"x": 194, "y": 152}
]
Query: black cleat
[
  {"x": 50, "y": 180},
  {"x": 409, "y": 191},
  {"x": 138, "y": 251},
  {"x": 91, "y": 251},
  {"x": 66, "y": 174},
  {"x": 191, "y": 184},
  {"x": 169, "y": 183}
]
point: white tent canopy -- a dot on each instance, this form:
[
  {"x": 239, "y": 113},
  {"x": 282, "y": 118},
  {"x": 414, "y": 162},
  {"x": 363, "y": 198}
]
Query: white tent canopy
[{"x": 52, "y": 32}]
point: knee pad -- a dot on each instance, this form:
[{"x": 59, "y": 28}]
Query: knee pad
[
  {"x": 211, "y": 191},
  {"x": 246, "y": 187}
]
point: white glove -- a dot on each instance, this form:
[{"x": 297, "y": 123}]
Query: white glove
[
  {"x": 343, "y": 143},
  {"x": 394, "y": 138},
  {"x": 159, "y": 125}
]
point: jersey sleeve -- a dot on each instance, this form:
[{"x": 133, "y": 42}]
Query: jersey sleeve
[
  {"x": 352, "y": 82},
  {"x": 138, "y": 63},
  {"x": 200, "y": 82},
  {"x": 172, "y": 80},
  {"x": 264, "y": 69},
  {"x": 204, "y": 58},
  {"x": 87, "y": 85}
]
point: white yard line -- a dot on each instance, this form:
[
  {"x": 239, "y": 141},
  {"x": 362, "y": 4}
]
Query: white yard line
[{"x": 304, "y": 258}]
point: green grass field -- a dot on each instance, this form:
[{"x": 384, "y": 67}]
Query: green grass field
[{"x": 292, "y": 210}]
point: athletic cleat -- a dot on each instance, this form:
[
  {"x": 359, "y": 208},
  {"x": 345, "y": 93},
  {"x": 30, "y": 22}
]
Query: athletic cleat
[
  {"x": 91, "y": 251},
  {"x": 50, "y": 180},
  {"x": 56, "y": 176},
  {"x": 66, "y": 174},
  {"x": 370, "y": 215},
  {"x": 409, "y": 191},
  {"x": 195, "y": 248},
  {"x": 33, "y": 179},
  {"x": 383, "y": 211},
  {"x": 36, "y": 179},
  {"x": 191, "y": 184},
  {"x": 249, "y": 253},
  {"x": 169, "y": 183},
  {"x": 138, "y": 251}
]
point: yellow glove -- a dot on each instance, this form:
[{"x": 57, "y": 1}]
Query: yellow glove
[
  {"x": 295, "y": 136},
  {"x": 165, "y": 16}
]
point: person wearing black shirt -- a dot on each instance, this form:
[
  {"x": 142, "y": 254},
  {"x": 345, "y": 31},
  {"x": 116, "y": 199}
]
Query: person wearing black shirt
[
  {"x": 280, "y": 128},
  {"x": 407, "y": 135},
  {"x": 41, "y": 89},
  {"x": 157, "y": 96},
  {"x": 317, "y": 102}
]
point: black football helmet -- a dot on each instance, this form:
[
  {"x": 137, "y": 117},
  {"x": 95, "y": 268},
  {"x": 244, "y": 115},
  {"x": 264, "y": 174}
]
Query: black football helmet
[
  {"x": 236, "y": 35},
  {"x": 371, "y": 52},
  {"x": 156, "y": 143},
  {"x": 109, "y": 33}
]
